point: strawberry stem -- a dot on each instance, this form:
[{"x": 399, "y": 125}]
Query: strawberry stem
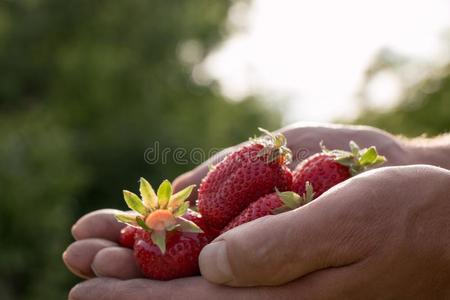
[
  {"x": 275, "y": 148},
  {"x": 357, "y": 160}
]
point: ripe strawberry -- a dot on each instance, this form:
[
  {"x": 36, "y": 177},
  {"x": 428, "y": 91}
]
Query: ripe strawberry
[
  {"x": 179, "y": 260},
  {"x": 167, "y": 245},
  {"x": 244, "y": 176},
  {"x": 127, "y": 235},
  {"x": 269, "y": 204},
  {"x": 325, "y": 170}
]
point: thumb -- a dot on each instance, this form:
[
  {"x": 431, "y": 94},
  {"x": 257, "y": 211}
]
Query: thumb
[{"x": 277, "y": 249}]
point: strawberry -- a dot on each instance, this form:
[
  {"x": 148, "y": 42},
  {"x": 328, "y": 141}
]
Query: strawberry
[
  {"x": 127, "y": 234},
  {"x": 242, "y": 177},
  {"x": 269, "y": 204},
  {"x": 167, "y": 244},
  {"x": 328, "y": 168},
  {"x": 180, "y": 259}
]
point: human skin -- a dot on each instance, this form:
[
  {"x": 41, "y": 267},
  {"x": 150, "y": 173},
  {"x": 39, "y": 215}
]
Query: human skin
[{"x": 382, "y": 234}]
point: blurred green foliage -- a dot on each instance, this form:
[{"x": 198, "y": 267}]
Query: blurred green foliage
[
  {"x": 85, "y": 88},
  {"x": 424, "y": 106}
]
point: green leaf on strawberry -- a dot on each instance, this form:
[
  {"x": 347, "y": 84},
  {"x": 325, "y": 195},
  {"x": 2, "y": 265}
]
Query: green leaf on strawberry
[
  {"x": 159, "y": 239},
  {"x": 127, "y": 218},
  {"x": 188, "y": 226},
  {"x": 134, "y": 203},
  {"x": 164, "y": 193},
  {"x": 148, "y": 193},
  {"x": 357, "y": 160},
  {"x": 160, "y": 212},
  {"x": 292, "y": 200}
]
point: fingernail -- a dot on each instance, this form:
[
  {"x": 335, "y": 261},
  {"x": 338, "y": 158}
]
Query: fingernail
[
  {"x": 98, "y": 274},
  {"x": 71, "y": 268},
  {"x": 64, "y": 258},
  {"x": 214, "y": 263},
  {"x": 74, "y": 230}
]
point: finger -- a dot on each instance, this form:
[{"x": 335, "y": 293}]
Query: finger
[
  {"x": 98, "y": 224},
  {"x": 192, "y": 177},
  {"x": 332, "y": 231},
  {"x": 79, "y": 255},
  {"x": 332, "y": 283},
  {"x": 337, "y": 283},
  {"x": 304, "y": 138},
  {"x": 123, "y": 266},
  {"x": 180, "y": 289},
  {"x": 144, "y": 289}
]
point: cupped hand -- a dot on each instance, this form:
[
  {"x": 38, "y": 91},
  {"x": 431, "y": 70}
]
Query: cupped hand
[
  {"x": 304, "y": 140},
  {"x": 96, "y": 251},
  {"x": 384, "y": 234}
]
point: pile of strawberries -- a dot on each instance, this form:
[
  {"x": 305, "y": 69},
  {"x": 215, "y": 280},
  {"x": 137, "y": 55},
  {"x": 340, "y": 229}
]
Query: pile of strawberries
[{"x": 253, "y": 181}]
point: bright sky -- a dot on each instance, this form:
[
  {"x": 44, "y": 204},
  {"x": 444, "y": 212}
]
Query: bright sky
[{"x": 313, "y": 54}]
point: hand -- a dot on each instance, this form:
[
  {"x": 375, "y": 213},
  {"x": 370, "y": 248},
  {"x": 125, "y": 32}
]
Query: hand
[
  {"x": 96, "y": 253},
  {"x": 96, "y": 235},
  {"x": 304, "y": 139},
  {"x": 383, "y": 234}
]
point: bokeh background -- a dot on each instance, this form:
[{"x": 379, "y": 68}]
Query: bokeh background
[{"x": 87, "y": 86}]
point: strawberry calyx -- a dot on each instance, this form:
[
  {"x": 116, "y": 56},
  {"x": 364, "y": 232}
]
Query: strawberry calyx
[
  {"x": 292, "y": 200},
  {"x": 275, "y": 148},
  {"x": 160, "y": 219},
  {"x": 158, "y": 213},
  {"x": 357, "y": 159}
]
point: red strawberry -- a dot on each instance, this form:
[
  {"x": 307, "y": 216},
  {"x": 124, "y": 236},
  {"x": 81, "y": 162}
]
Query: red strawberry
[
  {"x": 271, "y": 204},
  {"x": 325, "y": 170},
  {"x": 179, "y": 260},
  {"x": 244, "y": 176},
  {"x": 168, "y": 244},
  {"x": 127, "y": 235}
]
